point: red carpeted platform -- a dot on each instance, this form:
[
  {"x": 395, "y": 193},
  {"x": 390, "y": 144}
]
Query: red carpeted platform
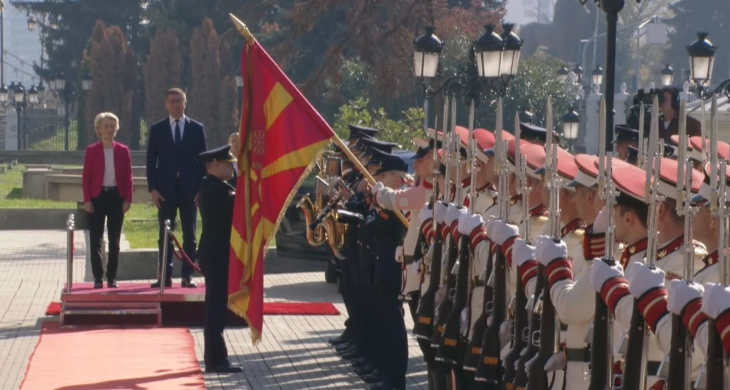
[
  {"x": 113, "y": 359},
  {"x": 138, "y": 304}
]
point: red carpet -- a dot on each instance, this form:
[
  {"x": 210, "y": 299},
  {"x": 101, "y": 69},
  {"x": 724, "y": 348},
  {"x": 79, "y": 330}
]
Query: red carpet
[
  {"x": 159, "y": 358},
  {"x": 274, "y": 308}
]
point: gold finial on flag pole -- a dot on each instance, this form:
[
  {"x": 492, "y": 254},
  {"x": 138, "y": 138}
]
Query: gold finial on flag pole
[{"x": 241, "y": 27}]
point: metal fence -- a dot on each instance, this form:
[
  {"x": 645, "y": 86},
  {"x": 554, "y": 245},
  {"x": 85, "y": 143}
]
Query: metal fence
[{"x": 44, "y": 129}]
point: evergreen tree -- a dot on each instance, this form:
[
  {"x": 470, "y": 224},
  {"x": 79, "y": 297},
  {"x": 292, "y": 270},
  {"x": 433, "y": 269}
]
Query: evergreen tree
[
  {"x": 162, "y": 71},
  {"x": 690, "y": 17},
  {"x": 205, "y": 80},
  {"x": 114, "y": 80},
  {"x": 228, "y": 101}
]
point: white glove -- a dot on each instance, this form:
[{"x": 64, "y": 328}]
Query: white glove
[
  {"x": 716, "y": 300},
  {"x": 504, "y": 333},
  {"x": 377, "y": 187},
  {"x": 681, "y": 293},
  {"x": 601, "y": 272},
  {"x": 521, "y": 252},
  {"x": 642, "y": 279},
  {"x": 501, "y": 231},
  {"x": 440, "y": 212},
  {"x": 425, "y": 214},
  {"x": 452, "y": 214},
  {"x": 555, "y": 362},
  {"x": 599, "y": 225},
  {"x": 547, "y": 250},
  {"x": 469, "y": 222}
]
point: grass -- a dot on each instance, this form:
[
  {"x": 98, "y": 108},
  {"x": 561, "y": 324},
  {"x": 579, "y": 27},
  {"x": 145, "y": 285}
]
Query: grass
[
  {"x": 57, "y": 141},
  {"x": 140, "y": 225}
]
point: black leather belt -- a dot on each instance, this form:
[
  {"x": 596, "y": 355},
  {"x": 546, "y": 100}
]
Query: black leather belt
[
  {"x": 108, "y": 189},
  {"x": 652, "y": 368},
  {"x": 478, "y": 282},
  {"x": 563, "y": 327},
  {"x": 409, "y": 259},
  {"x": 582, "y": 355}
]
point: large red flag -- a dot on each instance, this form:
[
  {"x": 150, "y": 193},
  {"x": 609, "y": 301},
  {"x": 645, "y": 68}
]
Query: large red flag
[{"x": 281, "y": 137}]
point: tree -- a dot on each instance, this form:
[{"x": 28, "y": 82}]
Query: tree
[
  {"x": 113, "y": 74},
  {"x": 228, "y": 101},
  {"x": 712, "y": 17},
  {"x": 401, "y": 131},
  {"x": 162, "y": 71},
  {"x": 205, "y": 80}
]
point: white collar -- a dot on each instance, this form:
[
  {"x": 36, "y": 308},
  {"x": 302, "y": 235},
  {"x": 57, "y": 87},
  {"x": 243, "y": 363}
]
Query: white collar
[{"x": 172, "y": 120}]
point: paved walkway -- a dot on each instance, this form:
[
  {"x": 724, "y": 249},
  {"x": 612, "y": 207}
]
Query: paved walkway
[{"x": 294, "y": 353}]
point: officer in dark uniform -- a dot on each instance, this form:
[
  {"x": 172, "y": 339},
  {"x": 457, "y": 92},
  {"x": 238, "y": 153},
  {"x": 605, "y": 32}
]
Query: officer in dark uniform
[
  {"x": 216, "y": 200},
  {"x": 388, "y": 330},
  {"x": 626, "y": 137}
]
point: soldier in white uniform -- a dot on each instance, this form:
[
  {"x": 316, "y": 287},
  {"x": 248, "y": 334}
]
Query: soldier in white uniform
[
  {"x": 569, "y": 282},
  {"x": 610, "y": 281}
]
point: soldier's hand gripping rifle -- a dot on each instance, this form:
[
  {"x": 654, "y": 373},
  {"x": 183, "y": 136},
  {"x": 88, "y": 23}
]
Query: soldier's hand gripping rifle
[
  {"x": 424, "y": 326},
  {"x": 546, "y": 337},
  {"x": 635, "y": 368},
  {"x": 512, "y": 362},
  {"x": 489, "y": 368},
  {"x": 602, "y": 328},
  {"x": 443, "y": 308},
  {"x": 716, "y": 362},
  {"x": 452, "y": 347},
  {"x": 680, "y": 355}
]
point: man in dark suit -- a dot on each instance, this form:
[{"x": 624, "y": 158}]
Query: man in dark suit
[
  {"x": 174, "y": 174},
  {"x": 217, "y": 196}
]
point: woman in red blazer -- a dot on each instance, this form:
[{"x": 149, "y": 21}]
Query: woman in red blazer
[{"x": 107, "y": 186}]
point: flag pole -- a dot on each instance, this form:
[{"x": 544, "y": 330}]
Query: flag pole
[{"x": 244, "y": 31}]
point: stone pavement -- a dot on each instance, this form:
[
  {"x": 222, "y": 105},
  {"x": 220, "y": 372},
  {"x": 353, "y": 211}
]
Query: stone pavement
[{"x": 294, "y": 353}]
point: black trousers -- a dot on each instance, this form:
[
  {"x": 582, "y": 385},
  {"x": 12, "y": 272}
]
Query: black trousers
[
  {"x": 216, "y": 316},
  {"x": 188, "y": 219},
  {"x": 107, "y": 209},
  {"x": 392, "y": 339}
]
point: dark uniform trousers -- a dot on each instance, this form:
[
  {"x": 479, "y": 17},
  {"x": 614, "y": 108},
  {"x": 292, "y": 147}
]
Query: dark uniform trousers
[
  {"x": 188, "y": 218},
  {"x": 216, "y": 211},
  {"x": 389, "y": 330}
]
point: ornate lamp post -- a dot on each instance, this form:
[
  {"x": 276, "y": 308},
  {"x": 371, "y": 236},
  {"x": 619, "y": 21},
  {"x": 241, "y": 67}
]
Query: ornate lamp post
[
  {"x": 563, "y": 73},
  {"x": 16, "y": 96},
  {"x": 667, "y": 76},
  {"x": 571, "y": 123},
  {"x": 493, "y": 63},
  {"x": 67, "y": 92},
  {"x": 597, "y": 79},
  {"x": 701, "y": 60}
]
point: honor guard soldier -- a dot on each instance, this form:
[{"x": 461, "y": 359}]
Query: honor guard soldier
[
  {"x": 610, "y": 281},
  {"x": 535, "y": 134},
  {"x": 385, "y": 232},
  {"x": 569, "y": 282},
  {"x": 216, "y": 199}
]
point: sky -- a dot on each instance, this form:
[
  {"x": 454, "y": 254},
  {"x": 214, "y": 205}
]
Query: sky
[{"x": 20, "y": 43}]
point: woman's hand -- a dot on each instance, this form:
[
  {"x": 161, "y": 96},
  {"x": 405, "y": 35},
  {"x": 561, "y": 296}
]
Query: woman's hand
[
  {"x": 89, "y": 207},
  {"x": 125, "y": 207}
]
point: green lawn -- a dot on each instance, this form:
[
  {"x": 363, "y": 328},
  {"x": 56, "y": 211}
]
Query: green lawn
[{"x": 140, "y": 226}]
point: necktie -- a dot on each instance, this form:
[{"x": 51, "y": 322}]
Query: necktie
[{"x": 178, "y": 136}]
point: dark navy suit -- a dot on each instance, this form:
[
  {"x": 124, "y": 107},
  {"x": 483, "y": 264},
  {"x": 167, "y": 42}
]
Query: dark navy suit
[{"x": 175, "y": 170}]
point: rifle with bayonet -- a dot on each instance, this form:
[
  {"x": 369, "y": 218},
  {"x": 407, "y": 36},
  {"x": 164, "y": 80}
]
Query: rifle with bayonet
[
  {"x": 680, "y": 355},
  {"x": 636, "y": 356},
  {"x": 520, "y": 336},
  {"x": 489, "y": 368},
  {"x": 546, "y": 337},
  {"x": 423, "y": 328},
  {"x": 443, "y": 309},
  {"x": 601, "y": 337}
]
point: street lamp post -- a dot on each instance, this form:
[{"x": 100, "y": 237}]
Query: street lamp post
[
  {"x": 493, "y": 63},
  {"x": 571, "y": 123},
  {"x": 67, "y": 92},
  {"x": 16, "y": 96},
  {"x": 667, "y": 76},
  {"x": 701, "y": 55}
]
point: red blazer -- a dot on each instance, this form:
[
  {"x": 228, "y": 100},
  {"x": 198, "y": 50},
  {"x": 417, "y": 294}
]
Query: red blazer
[{"x": 92, "y": 177}]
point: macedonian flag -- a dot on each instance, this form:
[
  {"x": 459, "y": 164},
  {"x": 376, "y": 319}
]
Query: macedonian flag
[{"x": 281, "y": 137}]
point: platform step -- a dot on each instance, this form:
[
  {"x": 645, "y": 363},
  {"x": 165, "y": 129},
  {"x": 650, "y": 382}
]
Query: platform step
[{"x": 111, "y": 313}]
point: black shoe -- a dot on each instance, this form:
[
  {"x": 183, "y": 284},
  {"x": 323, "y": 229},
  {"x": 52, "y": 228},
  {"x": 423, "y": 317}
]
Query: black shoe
[
  {"x": 188, "y": 283},
  {"x": 98, "y": 283},
  {"x": 156, "y": 284},
  {"x": 374, "y": 377},
  {"x": 352, "y": 355},
  {"x": 342, "y": 348},
  {"x": 112, "y": 283},
  {"x": 365, "y": 370},
  {"x": 339, "y": 341},
  {"x": 387, "y": 385},
  {"x": 359, "y": 362},
  {"x": 224, "y": 368}
]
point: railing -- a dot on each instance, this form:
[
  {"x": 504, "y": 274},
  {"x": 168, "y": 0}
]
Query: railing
[
  {"x": 163, "y": 263},
  {"x": 69, "y": 252}
]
